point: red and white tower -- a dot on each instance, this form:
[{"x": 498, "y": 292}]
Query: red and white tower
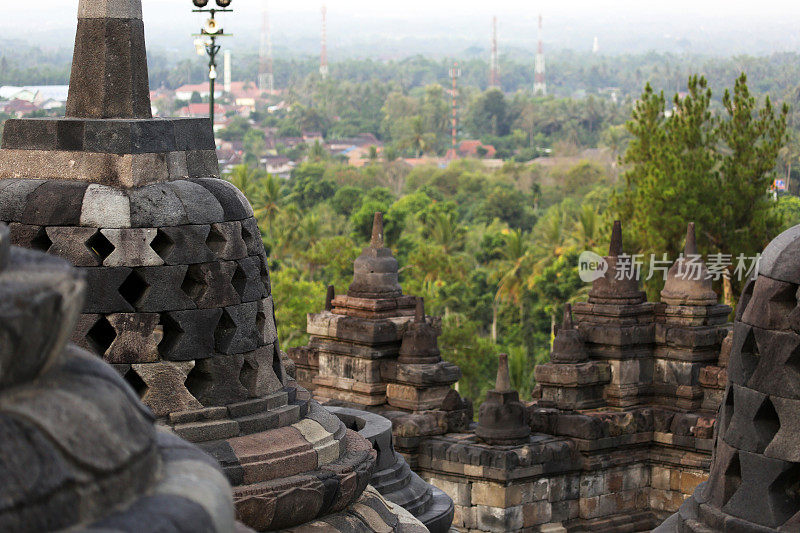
[
  {"x": 494, "y": 76},
  {"x": 323, "y": 59},
  {"x": 266, "y": 77},
  {"x": 539, "y": 84},
  {"x": 455, "y": 73}
]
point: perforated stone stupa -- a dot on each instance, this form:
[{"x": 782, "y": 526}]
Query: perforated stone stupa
[
  {"x": 78, "y": 451},
  {"x": 178, "y": 296},
  {"x": 755, "y": 477}
]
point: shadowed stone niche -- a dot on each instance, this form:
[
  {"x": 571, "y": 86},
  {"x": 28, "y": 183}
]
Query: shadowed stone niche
[
  {"x": 178, "y": 296},
  {"x": 78, "y": 451},
  {"x": 755, "y": 476}
]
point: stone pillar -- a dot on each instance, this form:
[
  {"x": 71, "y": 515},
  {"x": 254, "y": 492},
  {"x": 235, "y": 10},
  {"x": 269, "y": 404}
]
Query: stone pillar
[{"x": 109, "y": 65}]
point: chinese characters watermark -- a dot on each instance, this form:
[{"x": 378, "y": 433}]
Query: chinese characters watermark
[{"x": 691, "y": 267}]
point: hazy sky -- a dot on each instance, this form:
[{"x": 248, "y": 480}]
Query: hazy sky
[{"x": 712, "y": 26}]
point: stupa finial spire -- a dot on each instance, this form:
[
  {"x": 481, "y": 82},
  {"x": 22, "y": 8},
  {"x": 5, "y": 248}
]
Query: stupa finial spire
[
  {"x": 567, "y": 323},
  {"x": 377, "y": 231},
  {"x": 691, "y": 243},
  {"x": 109, "y": 66},
  {"x": 615, "y": 248},
  {"x": 503, "y": 382},
  {"x": 331, "y": 294},
  {"x": 419, "y": 312}
]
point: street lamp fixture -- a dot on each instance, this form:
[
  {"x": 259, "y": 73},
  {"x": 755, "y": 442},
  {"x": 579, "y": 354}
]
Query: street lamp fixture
[{"x": 207, "y": 39}]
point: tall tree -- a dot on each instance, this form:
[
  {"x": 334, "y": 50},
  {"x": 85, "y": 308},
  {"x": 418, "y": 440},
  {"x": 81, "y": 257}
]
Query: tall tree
[{"x": 688, "y": 165}]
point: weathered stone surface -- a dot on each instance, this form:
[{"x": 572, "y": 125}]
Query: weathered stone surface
[
  {"x": 184, "y": 245},
  {"x": 55, "y": 203},
  {"x": 211, "y": 284},
  {"x": 258, "y": 372},
  {"x": 137, "y": 338},
  {"x": 131, "y": 136},
  {"x": 154, "y": 206},
  {"x": 166, "y": 390},
  {"x": 189, "y": 335},
  {"x": 237, "y": 331},
  {"x": 80, "y": 246},
  {"x": 109, "y": 68},
  {"x": 215, "y": 381},
  {"x": 131, "y": 247},
  {"x": 163, "y": 289},
  {"x": 200, "y": 206}
]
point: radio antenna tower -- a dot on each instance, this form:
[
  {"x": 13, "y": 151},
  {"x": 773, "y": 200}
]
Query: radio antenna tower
[
  {"x": 494, "y": 77},
  {"x": 323, "y": 60},
  {"x": 455, "y": 73},
  {"x": 266, "y": 77},
  {"x": 539, "y": 84}
]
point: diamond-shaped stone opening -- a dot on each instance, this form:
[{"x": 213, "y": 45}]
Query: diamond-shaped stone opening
[
  {"x": 193, "y": 283},
  {"x": 216, "y": 241},
  {"x": 732, "y": 479},
  {"x": 172, "y": 332},
  {"x": 766, "y": 422},
  {"x": 100, "y": 245},
  {"x": 784, "y": 299},
  {"x": 793, "y": 361},
  {"x": 199, "y": 381},
  {"x": 136, "y": 382},
  {"x": 239, "y": 280},
  {"x": 277, "y": 366},
  {"x": 246, "y": 235},
  {"x": 744, "y": 299},
  {"x": 226, "y": 328},
  {"x": 162, "y": 244},
  {"x": 726, "y": 411},
  {"x": 248, "y": 375},
  {"x": 746, "y": 359},
  {"x": 784, "y": 494},
  {"x": 133, "y": 288},
  {"x": 101, "y": 335},
  {"x": 261, "y": 319},
  {"x": 264, "y": 273},
  {"x": 41, "y": 241}
]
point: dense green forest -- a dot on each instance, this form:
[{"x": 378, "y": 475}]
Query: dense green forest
[{"x": 495, "y": 252}]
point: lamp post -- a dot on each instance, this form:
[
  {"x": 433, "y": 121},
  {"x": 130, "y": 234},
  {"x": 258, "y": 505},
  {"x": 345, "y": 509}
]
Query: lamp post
[{"x": 206, "y": 42}]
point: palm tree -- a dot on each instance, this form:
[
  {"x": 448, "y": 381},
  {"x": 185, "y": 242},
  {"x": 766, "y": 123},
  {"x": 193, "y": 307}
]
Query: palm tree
[
  {"x": 445, "y": 231},
  {"x": 266, "y": 200},
  {"x": 418, "y": 138},
  {"x": 586, "y": 234},
  {"x": 244, "y": 178},
  {"x": 513, "y": 269}
]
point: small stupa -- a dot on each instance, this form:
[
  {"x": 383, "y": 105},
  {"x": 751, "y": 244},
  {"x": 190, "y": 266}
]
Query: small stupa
[
  {"x": 690, "y": 328},
  {"x": 617, "y": 325},
  {"x": 502, "y": 419},
  {"x": 570, "y": 380}
]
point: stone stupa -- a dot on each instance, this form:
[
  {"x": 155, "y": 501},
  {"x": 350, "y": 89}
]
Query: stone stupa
[
  {"x": 178, "y": 292},
  {"x": 754, "y": 483},
  {"x": 78, "y": 451}
]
